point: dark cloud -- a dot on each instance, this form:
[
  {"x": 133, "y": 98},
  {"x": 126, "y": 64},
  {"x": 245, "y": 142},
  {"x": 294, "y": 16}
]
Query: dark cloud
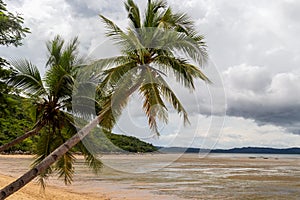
[
  {"x": 287, "y": 117},
  {"x": 275, "y": 100}
]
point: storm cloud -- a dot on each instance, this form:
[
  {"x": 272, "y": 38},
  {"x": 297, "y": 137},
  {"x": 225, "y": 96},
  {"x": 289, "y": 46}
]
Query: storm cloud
[{"x": 255, "y": 94}]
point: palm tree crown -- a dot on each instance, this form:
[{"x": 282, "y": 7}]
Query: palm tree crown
[
  {"x": 149, "y": 51},
  {"x": 52, "y": 98}
]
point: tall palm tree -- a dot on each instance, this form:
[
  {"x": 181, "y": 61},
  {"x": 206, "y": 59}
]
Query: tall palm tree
[
  {"x": 52, "y": 98},
  {"x": 149, "y": 48}
]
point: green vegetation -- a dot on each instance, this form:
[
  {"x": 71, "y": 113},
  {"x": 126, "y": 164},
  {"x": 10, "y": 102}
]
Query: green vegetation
[
  {"x": 130, "y": 144},
  {"x": 11, "y": 27},
  {"x": 16, "y": 119},
  {"x": 11, "y": 30},
  {"x": 15, "y": 115},
  {"x": 107, "y": 142}
]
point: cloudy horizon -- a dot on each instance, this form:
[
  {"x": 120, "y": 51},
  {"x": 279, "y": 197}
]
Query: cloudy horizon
[{"x": 254, "y": 56}]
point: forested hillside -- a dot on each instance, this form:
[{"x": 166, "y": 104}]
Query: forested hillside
[{"x": 17, "y": 117}]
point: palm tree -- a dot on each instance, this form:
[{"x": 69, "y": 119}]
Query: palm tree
[
  {"x": 149, "y": 48},
  {"x": 52, "y": 97}
]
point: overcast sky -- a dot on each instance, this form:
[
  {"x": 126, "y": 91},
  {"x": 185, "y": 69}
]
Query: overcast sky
[{"x": 254, "y": 50}]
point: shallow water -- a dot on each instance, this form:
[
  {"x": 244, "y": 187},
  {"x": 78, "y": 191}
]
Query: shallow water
[{"x": 216, "y": 176}]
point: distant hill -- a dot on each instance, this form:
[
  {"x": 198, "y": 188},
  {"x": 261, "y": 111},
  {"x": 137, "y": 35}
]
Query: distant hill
[
  {"x": 260, "y": 150},
  {"x": 130, "y": 144},
  {"x": 249, "y": 150},
  {"x": 106, "y": 142}
]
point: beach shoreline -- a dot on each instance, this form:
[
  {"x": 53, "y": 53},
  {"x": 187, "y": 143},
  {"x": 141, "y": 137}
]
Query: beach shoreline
[{"x": 169, "y": 177}]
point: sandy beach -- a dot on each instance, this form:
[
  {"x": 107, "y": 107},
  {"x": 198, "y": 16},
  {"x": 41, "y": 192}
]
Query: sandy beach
[{"x": 32, "y": 191}]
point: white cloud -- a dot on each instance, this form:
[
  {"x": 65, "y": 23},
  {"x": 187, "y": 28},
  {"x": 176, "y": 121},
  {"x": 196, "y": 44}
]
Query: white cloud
[
  {"x": 239, "y": 132},
  {"x": 248, "y": 79}
]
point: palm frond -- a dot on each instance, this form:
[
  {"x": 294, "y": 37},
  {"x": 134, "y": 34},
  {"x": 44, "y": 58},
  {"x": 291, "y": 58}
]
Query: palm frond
[
  {"x": 196, "y": 72},
  {"x": 64, "y": 55},
  {"x": 43, "y": 178},
  {"x": 133, "y": 13},
  {"x": 170, "y": 96},
  {"x": 176, "y": 41},
  {"x": 65, "y": 167},
  {"x": 114, "y": 75},
  {"x": 26, "y": 77},
  {"x": 116, "y": 34},
  {"x": 84, "y": 106},
  {"x": 182, "y": 23},
  {"x": 136, "y": 45},
  {"x": 151, "y": 12},
  {"x": 42, "y": 151},
  {"x": 99, "y": 65},
  {"x": 123, "y": 88},
  {"x": 111, "y": 114},
  {"x": 184, "y": 72},
  {"x": 68, "y": 58},
  {"x": 112, "y": 102},
  {"x": 55, "y": 48},
  {"x": 153, "y": 105},
  {"x": 90, "y": 158},
  {"x": 113, "y": 30},
  {"x": 59, "y": 82}
]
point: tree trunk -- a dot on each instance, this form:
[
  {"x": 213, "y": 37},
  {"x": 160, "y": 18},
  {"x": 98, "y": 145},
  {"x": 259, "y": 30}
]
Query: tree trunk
[
  {"x": 49, "y": 160},
  {"x": 33, "y": 132}
]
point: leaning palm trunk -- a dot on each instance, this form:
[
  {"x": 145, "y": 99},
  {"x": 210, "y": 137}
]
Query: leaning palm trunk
[
  {"x": 49, "y": 160},
  {"x": 18, "y": 140}
]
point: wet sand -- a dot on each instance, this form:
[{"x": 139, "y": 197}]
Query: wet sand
[{"x": 173, "y": 177}]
